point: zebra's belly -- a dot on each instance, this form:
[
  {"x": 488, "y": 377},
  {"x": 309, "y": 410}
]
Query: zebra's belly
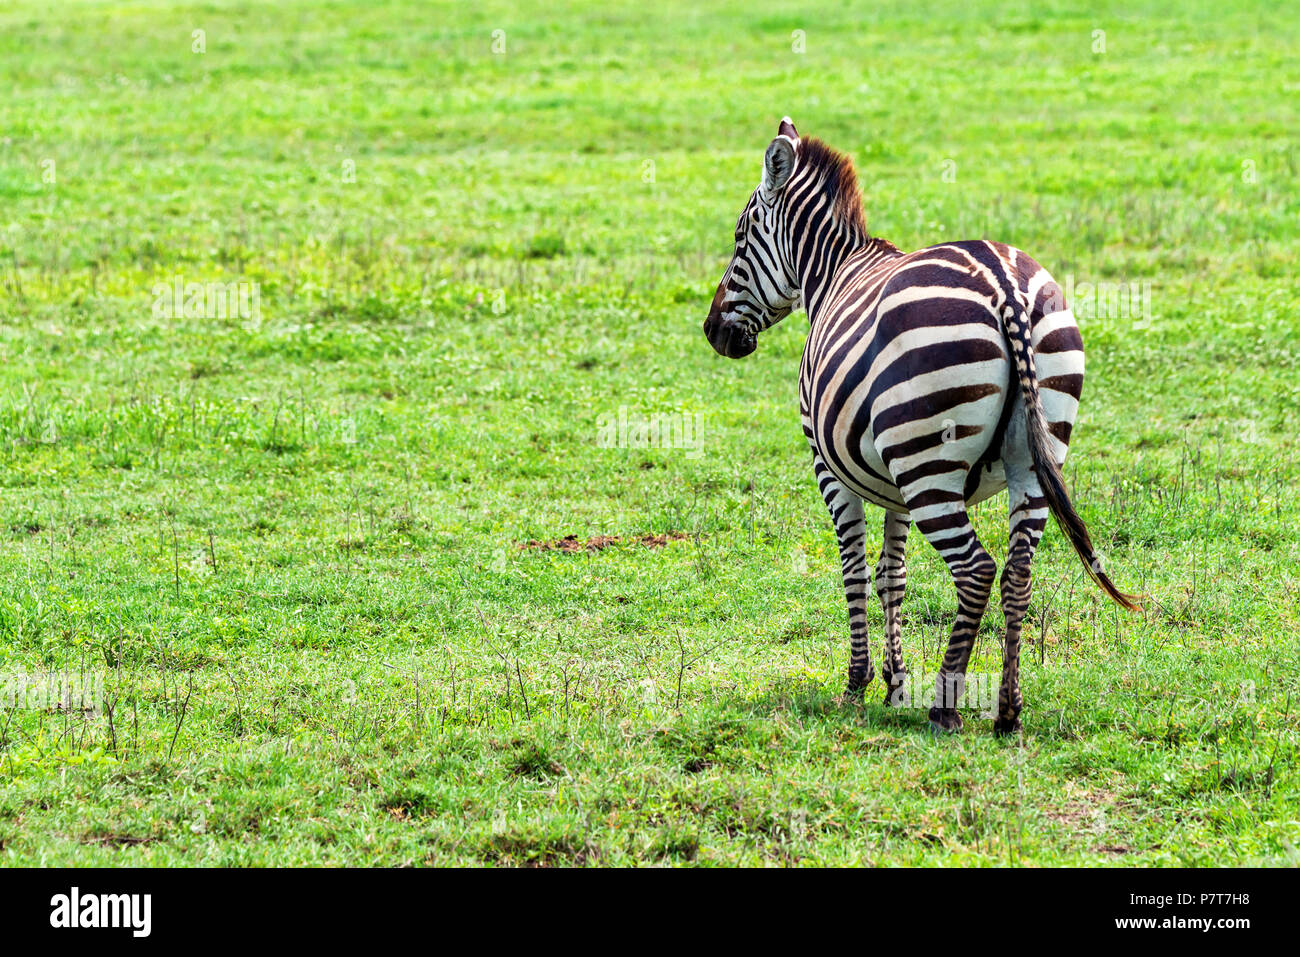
[
  {"x": 864, "y": 472},
  {"x": 894, "y": 451},
  {"x": 993, "y": 479},
  {"x": 869, "y": 484}
]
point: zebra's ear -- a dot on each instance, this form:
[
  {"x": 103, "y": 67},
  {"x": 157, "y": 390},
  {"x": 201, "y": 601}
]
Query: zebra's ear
[{"x": 778, "y": 164}]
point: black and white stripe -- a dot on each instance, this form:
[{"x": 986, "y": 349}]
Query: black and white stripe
[{"x": 930, "y": 381}]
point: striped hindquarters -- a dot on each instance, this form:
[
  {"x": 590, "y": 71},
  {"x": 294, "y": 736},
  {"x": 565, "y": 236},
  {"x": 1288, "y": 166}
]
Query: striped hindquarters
[{"x": 908, "y": 376}]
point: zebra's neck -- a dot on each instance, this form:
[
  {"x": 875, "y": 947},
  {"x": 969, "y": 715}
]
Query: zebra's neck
[
  {"x": 826, "y": 226},
  {"x": 821, "y": 254},
  {"x": 818, "y": 254}
]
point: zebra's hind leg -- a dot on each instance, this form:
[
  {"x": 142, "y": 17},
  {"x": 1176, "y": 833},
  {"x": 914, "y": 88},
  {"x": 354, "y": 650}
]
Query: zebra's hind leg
[
  {"x": 851, "y": 533},
  {"x": 947, "y": 527},
  {"x": 891, "y": 582},
  {"x": 1029, "y": 513}
]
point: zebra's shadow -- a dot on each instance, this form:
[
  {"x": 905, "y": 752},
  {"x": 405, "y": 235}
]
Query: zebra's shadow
[{"x": 805, "y": 701}]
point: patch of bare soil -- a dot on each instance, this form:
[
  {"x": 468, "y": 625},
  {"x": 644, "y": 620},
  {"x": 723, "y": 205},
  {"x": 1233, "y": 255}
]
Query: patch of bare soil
[
  {"x": 117, "y": 840},
  {"x": 1087, "y": 819},
  {"x": 572, "y": 543}
]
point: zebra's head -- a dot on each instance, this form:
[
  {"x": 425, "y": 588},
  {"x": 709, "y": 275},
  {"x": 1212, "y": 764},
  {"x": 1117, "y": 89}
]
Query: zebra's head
[{"x": 759, "y": 288}]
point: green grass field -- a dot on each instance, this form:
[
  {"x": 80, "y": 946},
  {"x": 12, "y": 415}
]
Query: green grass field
[{"x": 289, "y": 543}]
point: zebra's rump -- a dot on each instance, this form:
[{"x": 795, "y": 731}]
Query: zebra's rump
[{"x": 907, "y": 382}]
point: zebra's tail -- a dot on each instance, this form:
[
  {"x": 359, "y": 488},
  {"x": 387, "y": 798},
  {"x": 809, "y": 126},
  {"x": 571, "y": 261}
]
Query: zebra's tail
[{"x": 1016, "y": 326}]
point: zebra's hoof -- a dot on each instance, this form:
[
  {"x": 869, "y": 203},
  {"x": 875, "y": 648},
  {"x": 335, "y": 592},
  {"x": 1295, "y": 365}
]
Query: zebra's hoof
[
  {"x": 945, "y": 720},
  {"x": 857, "y": 682},
  {"x": 1006, "y": 724},
  {"x": 896, "y": 695}
]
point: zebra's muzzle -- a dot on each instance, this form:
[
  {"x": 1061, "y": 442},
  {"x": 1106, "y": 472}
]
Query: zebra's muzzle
[{"x": 729, "y": 339}]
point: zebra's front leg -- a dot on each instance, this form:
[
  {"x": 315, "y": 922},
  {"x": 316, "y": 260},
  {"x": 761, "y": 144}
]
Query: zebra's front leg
[
  {"x": 891, "y": 583},
  {"x": 851, "y": 533}
]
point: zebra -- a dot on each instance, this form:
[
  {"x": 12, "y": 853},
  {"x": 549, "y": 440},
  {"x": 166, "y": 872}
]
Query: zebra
[{"x": 929, "y": 382}]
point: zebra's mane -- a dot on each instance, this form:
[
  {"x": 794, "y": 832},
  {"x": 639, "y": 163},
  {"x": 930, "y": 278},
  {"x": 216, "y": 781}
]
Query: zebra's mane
[{"x": 839, "y": 181}]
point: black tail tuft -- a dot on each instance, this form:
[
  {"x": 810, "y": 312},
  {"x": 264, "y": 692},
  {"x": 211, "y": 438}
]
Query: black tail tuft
[{"x": 1058, "y": 500}]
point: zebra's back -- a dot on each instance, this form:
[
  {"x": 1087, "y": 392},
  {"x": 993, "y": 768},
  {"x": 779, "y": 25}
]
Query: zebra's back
[{"x": 908, "y": 384}]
